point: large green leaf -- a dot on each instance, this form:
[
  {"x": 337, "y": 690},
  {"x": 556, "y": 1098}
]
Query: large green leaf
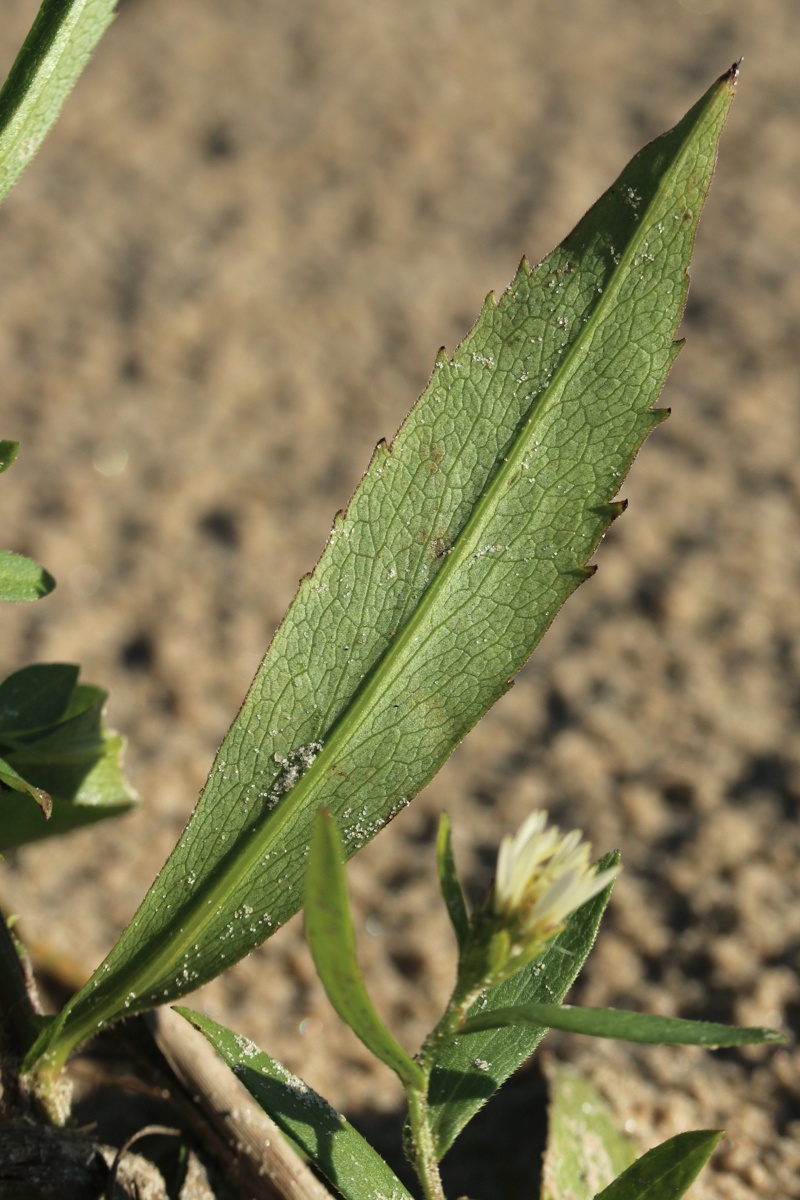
[
  {"x": 56, "y": 50},
  {"x": 55, "y": 747},
  {"x": 332, "y": 940},
  {"x": 585, "y": 1151},
  {"x": 345, "y": 1159},
  {"x": 459, "y": 546},
  {"x": 666, "y": 1172},
  {"x": 470, "y": 1069}
]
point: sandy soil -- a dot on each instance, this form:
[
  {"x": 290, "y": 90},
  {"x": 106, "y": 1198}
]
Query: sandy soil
[{"x": 249, "y": 211}]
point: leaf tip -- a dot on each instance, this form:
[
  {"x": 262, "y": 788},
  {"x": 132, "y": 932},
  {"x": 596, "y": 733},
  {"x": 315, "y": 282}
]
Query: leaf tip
[
  {"x": 47, "y": 584},
  {"x": 731, "y": 76}
]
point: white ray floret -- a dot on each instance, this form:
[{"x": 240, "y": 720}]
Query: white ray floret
[{"x": 543, "y": 876}]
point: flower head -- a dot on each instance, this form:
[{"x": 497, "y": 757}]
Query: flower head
[{"x": 543, "y": 876}]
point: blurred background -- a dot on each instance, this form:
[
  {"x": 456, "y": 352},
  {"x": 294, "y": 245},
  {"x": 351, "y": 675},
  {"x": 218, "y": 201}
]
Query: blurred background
[{"x": 224, "y": 278}]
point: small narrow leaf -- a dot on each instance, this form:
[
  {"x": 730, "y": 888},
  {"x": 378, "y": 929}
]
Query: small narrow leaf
[
  {"x": 458, "y": 548},
  {"x": 344, "y": 1158},
  {"x": 624, "y": 1026},
  {"x": 332, "y": 939},
  {"x": 668, "y": 1171},
  {"x": 58, "y": 47},
  {"x": 470, "y": 1069},
  {"x": 21, "y": 579},
  {"x": 449, "y": 882},
  {"x": 585, "y": 1151}
]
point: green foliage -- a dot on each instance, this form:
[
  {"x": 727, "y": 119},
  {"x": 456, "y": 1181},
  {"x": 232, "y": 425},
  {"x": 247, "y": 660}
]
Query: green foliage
[
  {"x": 467, "y": 1071},
  {"x": 666, "y": 1172},
  {"x": 462, "y": 541},
  {"x": 8, "y": 454},
  {"x": 55, "y": 747},
  {"x": 623, "y": 1026},
  {"x": 46, "y": 69},
  {"x": 585, "y": 1151},
  {"x": 588, "y": 1159},
  {"x": 331, "y": 938},
  {"x": 449, "y": 884},
  {"x": 20, "y": 577},
  {"x": 344, "y": 1158}
]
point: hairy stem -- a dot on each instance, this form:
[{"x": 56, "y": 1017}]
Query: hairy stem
[{"x": 420, "y": 1147}]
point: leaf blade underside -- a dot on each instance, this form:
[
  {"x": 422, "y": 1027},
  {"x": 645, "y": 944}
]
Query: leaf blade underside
[{"x": 459, "y": 546}]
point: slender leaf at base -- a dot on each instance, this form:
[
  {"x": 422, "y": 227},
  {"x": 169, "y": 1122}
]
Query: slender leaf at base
[
  {"x": 666, "y": 1172},
  {"x": 463, "y": 540},
  {"x": 342, "y": 1155},
  {"x": 585, "y": 1150}
]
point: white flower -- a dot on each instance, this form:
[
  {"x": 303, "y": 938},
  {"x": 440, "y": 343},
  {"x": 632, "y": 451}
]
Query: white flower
[{"x": 543, "y": 876}]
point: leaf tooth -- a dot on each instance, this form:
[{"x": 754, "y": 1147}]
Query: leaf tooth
[
  {"x": 655, "y": 416},
  {"x": 614, "y": 509}
]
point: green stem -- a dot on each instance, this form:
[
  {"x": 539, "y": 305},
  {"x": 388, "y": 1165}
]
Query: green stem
[
  {"x": 455, "y": 1015},
  {"x": 421, "y": 1148},
  {"x": 420, "y": 1145}
]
